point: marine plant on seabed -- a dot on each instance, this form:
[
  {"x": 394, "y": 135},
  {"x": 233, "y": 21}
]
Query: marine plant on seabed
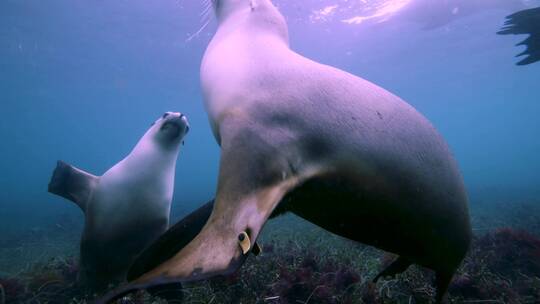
[
  {"x": 11, "y": 290},
  {"x": 503, "y": 265},
  {"x": 311, "y": 266},
  {"x": 50, "y": 282}
]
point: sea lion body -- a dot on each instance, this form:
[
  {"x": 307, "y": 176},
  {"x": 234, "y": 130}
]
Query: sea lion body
[
  {"x": 128, "y": 206},
  {"x": 393, "y": 173},
  {"x": 337, "y": 150},
  {"x": 125, "y": 214}
]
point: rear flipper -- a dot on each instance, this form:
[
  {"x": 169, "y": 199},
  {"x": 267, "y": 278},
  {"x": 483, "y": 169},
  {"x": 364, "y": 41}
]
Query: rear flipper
[
  {"x": 442, "y": 281},
  {"x": 72, "y": 183},
  {"x": 398, "y": 266}
]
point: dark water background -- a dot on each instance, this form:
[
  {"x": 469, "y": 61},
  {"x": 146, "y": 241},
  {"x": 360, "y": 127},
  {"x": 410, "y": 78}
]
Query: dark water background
[{"x": 82, "y": 80}]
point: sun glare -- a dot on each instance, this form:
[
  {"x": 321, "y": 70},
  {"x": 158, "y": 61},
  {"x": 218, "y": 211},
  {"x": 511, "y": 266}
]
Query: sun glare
[
  {"x": 359, "y": 11},
  {"x": 382, "y": 11}
]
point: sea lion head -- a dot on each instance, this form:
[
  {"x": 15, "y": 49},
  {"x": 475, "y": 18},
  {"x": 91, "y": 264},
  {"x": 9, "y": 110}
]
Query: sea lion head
[{"x": 169, "y": 130}]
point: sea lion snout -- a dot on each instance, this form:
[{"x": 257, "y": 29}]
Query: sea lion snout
[
  {"x": 185, "y": 121},
  {"x": 175, "y": 123}
]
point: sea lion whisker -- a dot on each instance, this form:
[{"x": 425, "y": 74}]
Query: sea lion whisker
[
  {"x": 199, "y": 31},
  {"x": 206, "y": 10},
  {"x": 205, "y": 18}
]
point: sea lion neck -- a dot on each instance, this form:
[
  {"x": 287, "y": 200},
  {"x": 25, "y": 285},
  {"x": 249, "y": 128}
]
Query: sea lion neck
[
  {"x": 151, "y": 156},
  {"x": 249, "y": 35},
  {"x": 258, "y": 15}
]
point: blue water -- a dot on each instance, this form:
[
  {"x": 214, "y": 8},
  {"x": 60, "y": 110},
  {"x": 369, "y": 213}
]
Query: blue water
[{"x": 81, "y": 81}]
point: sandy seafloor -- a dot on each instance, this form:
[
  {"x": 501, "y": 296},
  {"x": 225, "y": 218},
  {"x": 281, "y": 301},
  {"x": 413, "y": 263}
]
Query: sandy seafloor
[{"x": 301, "y": 263}]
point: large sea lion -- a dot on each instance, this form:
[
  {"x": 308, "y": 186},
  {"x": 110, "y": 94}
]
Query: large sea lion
[
  {"x": 128, "y": 206},
  {"x": 337, "y": 150}
]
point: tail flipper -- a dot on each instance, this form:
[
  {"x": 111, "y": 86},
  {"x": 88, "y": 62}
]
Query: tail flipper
[
  {"x": 442, "y": 281},
  {"x": 72, "y": 183},
  {"x": 398, "y": 266}
]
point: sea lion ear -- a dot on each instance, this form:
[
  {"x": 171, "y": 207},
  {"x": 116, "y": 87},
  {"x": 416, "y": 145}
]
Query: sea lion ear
[
  {"x": 252, "y": 4},
  {"x": 73, "y": 184}
]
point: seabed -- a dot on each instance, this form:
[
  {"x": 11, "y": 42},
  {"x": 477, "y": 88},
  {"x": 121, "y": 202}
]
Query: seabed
[{"x": 301, "y": 263}]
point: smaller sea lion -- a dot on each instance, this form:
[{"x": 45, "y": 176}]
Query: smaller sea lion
[{"x": 126, "y": 208}]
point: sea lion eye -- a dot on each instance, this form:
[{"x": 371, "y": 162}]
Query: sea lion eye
[{"x": 165, "y": 115}]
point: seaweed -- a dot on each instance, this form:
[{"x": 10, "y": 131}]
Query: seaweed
[
  {"x": 315, "y": 280},
  {"x": 300, "y": 263},
  {"x": 502, "y": 265},
  {"x": 50, "y": 282},
  {"x": 12, "y": 290}
]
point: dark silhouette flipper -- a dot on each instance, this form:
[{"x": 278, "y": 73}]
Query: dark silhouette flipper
[
  {"x": 171, "y": 242},
  {"x": 398, "y": 266},
  {"x": 525, "y": 22},
  {"x": 442, "y": 281},
  {"x": 164, "y": 248},
  {"x": 174, "y": 240},
  {"x": 72, "y": 183}
]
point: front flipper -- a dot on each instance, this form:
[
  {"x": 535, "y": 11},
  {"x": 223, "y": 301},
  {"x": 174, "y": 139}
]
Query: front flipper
[
  {"x": 73, "y": 184},
  {"x": 442, "y": 281},
  {"x": 254, "y": 177},
  {"x": 171, "y": 242},
  {"x": 163, "y": 249},
  {"x": 398, "y": 266}
]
